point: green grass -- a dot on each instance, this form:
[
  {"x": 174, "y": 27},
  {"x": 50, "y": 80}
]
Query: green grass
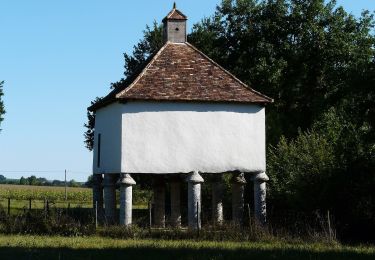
[{"x": 44, "y": 247}]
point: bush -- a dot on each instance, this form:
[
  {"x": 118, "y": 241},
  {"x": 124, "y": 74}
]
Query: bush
[
  {"x": 56, "y": 222},
  {"x": 330, "y": 167}
]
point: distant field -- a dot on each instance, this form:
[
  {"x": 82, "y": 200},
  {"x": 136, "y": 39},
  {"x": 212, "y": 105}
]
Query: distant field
[
  {"x": 77, "y": 197},
  {"x": 24, "y": 192},
  {"x": 44, "y": 247}
]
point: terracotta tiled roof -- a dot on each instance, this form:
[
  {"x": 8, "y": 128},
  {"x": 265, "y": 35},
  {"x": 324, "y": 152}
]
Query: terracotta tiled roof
[
  {"x": 180, "y": 72},
  {"x": 175, "y": 14}
]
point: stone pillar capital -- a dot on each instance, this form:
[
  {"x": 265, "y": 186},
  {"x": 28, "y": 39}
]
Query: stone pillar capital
[
  {"x": 260, "y": 177},
  {"x": 126, "y": 180},
  {"x": 194, "y": 177},
  {"x": 239, "y": 178}
]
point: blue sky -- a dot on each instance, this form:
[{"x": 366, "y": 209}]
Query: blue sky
[{"x": 57, "y": 56}]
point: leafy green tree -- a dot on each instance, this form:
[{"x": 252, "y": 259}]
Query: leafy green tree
[
  {"x": 152, "y": 41},
  {"x": 330, "y": 167},
  {"x": 2, "y": 109},
  {"x": 32, "y": 180},
  {"x": 90, "y": 125},
  {"x": 90, "y": 181},
  {"x": 301, "y": 53},
  {"x": 23, "y": 181},
  {"x": 73, "y": 183}
]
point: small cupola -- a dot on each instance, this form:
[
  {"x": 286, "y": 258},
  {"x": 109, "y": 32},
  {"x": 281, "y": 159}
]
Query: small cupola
[{"x": 174, "y": 26}]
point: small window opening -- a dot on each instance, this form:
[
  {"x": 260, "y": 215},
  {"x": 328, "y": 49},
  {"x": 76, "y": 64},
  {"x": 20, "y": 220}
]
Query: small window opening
[
  {"x": 98, "y": 154},
  {"x": 177, "y": 29}
]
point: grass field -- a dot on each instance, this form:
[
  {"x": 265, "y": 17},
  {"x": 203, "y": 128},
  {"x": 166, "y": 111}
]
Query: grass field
[{"x": 44, "y": 247}]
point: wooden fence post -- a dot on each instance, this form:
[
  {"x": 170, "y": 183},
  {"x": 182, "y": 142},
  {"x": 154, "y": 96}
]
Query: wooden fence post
[
  {"x": 96, "y": 214},
  {"x": 29, "y": 203},
  {"x": 149, "y": 215},
  {"x": 8, "y": 206},
  {"x": 45, "y": 208}
]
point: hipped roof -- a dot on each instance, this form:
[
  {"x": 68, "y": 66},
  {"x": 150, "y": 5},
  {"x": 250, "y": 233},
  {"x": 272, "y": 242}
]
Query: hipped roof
[{"x": 180, "y": 72}]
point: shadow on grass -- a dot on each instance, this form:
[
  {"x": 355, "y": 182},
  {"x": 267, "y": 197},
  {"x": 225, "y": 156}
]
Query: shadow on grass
[{"x": 181, "y": 253}]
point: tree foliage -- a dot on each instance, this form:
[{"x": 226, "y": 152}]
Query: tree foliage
[
  {"x": 330, "y": 167},
  {"x": 302, "y": 53},
  {"x": 90, "y": 125},
  {"x": 2, "y": 108}
]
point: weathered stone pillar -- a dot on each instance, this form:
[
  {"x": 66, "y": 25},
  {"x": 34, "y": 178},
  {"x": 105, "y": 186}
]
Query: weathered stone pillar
[
  {"x": 126, "y": 199},
  {"x": 97, "y": 193},
  {"x": 260, "y": 180},
  {"x": 238, "y": 188},
  {"x": 159, "y": 201},
  {"x": 175, "y": 185},
  {"x": 194, "y": 200},
  {"x": 217, "y": 199},
  {"x": 110, "y": 197}
]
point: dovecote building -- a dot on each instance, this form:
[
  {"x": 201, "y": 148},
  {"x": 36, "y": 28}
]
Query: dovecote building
[{"x": 181, "y": 117}]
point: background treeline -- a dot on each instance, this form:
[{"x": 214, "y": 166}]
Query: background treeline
[
  {"x": 38, "y": 181},
  {"x": 317, "y": 62}
]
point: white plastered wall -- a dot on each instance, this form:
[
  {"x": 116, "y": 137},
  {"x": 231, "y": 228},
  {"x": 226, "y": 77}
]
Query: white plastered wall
[
  {"x": 108, "y": 123},
  {"x": 166, "y": 137}
]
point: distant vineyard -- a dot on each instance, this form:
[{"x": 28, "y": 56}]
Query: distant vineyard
[
  {"x": 53, "y": 193},
  {"x": 23, "y": 192}
]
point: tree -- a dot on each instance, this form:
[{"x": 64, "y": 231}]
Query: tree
[
  {"x": 58, "y": 183},
  {"x": 2, "y": 109},
  {"x": 90, "y": 125},
  {"x": 2, "y": 179},
  {"x": 327, "y": 167},
  {"x": 152, "y": 41},
  {"x": 23, "y": 181},
  {"x": 302, "y": 53},
  {"x": 73, "y": 183},
  {"x": 89, "y": 182},
  {"x": 32, "y": 180}
]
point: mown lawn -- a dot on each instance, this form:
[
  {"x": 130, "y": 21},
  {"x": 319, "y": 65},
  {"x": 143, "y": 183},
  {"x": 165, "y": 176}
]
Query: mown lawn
[{"x": 44, "y": 247}]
